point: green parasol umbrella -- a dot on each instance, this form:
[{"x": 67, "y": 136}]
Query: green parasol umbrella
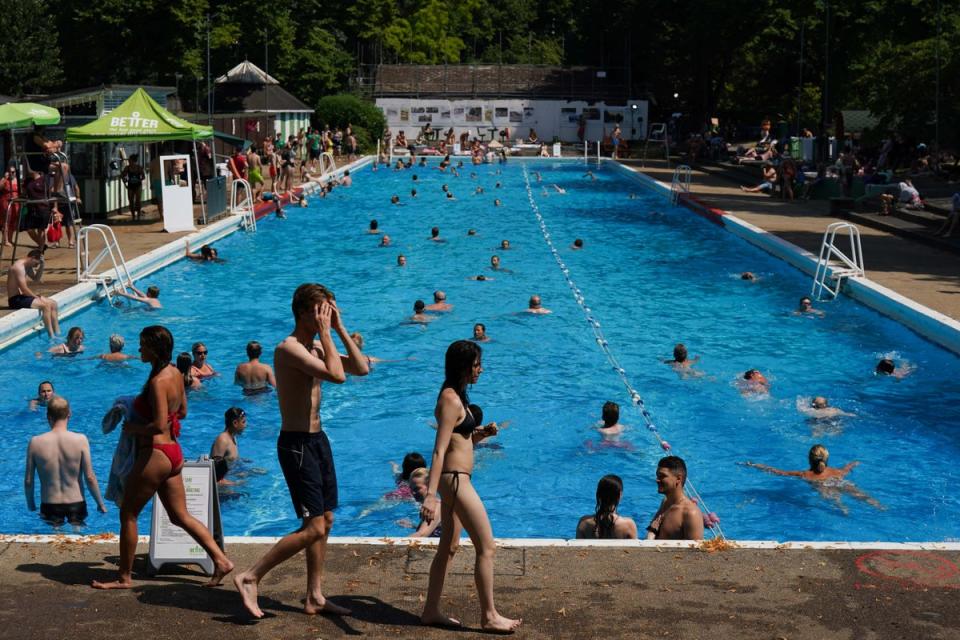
[{"x": 19, "y": 115}]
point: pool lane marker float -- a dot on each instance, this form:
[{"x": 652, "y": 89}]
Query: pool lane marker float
[{"x": 710, "y": 519}]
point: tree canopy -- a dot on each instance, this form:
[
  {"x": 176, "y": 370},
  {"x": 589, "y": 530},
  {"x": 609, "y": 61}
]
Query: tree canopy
[{"x": 737, "y": 59}]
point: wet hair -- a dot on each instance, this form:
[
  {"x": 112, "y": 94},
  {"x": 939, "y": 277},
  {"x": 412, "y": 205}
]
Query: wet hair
[
  {"x": 116, "y": 343},
  {"x": 609, "y": 490},
  {"x": 184, "y": 362},
  {"x": 307, "y": 295},
  {"x": 159, "y": 341},
  {"x": 675, "y": 465},
  {"x": 196, "y": 345},
  {"x": 458, "y": 363},
  {"x": 434, "y": 232},
  {"x": 153, "y": 291},
  {"x": 746, "y": 275},
  {"x": 374, "y": 224},
  {"x": 481, "y": 277},
  {"x": 750, "y": 374},
  {"x": 230, "y": 415},
  {"x": 471, "y": 232},
  {"x": 886, "y": 367},
  {"x": 73, "y": 333},
  {"x": 40, "y": 386},
  {"x": 610, "y": 413},
  {"x": 357, "y": 339},
  {"x": 35, "y": 253},
  {"x": 481, "y": 325},
  {"x": 254, "y": 349},
  {"x": 818, "y": 457},
  {"x": 418, "y": 306},
  {"x": 419, "y": 473},
  {"x": 805, "y": 299},
  {"x": 207, "y": 252},
  {"x": 477, "y": 412},
  {"x": 578, "y": 242},
  {"x": 58, "y": 408},
  {"x": 680, "y": 352},
  {"x": 819, "y": 402},
  {"x": 411, "y": 462}
]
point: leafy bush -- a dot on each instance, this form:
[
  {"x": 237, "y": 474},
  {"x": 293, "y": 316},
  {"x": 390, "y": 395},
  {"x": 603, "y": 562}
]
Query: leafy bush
[{"x": 366, "y": 119}]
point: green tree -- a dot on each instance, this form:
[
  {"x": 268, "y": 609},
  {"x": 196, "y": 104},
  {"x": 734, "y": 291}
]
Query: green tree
[{"x": 29, "y": 48}]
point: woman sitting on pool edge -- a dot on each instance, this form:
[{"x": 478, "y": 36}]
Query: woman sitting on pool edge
[
  {"x": 828, "y": 481},
  {"x": 606, "y": 523}
]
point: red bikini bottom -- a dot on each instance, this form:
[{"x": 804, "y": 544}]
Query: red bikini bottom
[{"x": 174, "y": 454}]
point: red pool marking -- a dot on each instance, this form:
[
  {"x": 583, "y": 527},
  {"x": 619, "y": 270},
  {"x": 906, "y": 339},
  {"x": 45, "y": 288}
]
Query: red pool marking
[
  {"x": 923, "y": 568},
  {"x": 702, "y": 209}
]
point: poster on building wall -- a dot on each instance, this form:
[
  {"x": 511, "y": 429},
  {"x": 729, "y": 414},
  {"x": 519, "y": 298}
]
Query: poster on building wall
[
  {"x": 425, "y": 117},
  {"x": 445, "y": 115},
  {"x": 458, "y": 113},
  {"x": 516, "y": 116},
  {"x": 404, "y": 115},
  {"x": 528, "y": 112},
  {"x": 474, "y": 114},
  {"x": 590, "y": 113},
  {"x": 501, "y": 112}
]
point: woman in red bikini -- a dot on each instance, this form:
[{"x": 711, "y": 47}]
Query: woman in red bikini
[{"x": 155, "y": 422}]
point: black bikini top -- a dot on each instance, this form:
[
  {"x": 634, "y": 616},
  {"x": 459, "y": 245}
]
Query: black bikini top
[{"x": 467, "y": 425}]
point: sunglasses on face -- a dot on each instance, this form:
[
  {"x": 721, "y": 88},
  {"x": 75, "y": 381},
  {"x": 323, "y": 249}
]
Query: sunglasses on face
[{"x": 199, "y": 353}]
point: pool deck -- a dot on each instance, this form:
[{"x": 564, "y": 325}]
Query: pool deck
[
  {"x": 922, "y": 273},
  {"x": 560, "y": 592}
]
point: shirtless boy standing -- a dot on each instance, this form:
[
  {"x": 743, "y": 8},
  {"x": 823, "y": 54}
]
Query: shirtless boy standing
[
  {"x": 302, "y": 365},
  {"x": 59, "y": 457}
]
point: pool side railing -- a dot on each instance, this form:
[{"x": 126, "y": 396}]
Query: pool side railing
[{"x": 932, "y": 325}]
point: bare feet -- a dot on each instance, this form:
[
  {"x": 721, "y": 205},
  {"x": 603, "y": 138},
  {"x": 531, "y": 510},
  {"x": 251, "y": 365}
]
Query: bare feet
[
  {"x": 315, "y": 605},
  {"x": 116, "y": 584},
  {"x": 439, "y": 620},
  {"x": 219, "y": 573},
  {"x": 247, "y": 587},
  {"x": 499, "y": 624}
]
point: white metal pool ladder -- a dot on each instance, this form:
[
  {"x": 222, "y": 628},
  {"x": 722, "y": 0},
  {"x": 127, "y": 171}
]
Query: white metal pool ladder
[
  {"x": 835, "y": 265},
  {"x": 242, "y": 204},
  {"x": 680, "y": 184},
  {"x": 86, "y": 268},
  {"x": 327, "y": 163}
]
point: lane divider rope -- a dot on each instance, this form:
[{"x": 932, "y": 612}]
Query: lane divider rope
[{"x": 710, "y": 518}]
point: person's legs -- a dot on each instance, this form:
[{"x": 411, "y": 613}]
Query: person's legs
[
  {"x": 174, "y": 500},
  {"x": 313, "y": 529},
  {"x": 316, "y": 553},
  {"x": 147, "y": 474},
  {"x": 446, "y": 549},
  {"x": 48, "y": 310},
  {"x": 473, "y": 515}
]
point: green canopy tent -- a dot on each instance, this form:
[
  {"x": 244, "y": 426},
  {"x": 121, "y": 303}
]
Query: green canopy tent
[{"x": 140, "y": 119}]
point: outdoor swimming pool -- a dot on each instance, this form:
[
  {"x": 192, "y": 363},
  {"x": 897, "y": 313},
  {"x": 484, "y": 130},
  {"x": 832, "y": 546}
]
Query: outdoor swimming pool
[{"x": 654, "y": 275}]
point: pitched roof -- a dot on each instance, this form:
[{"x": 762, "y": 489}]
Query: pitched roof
[
  {"x": 255, "y": 98},
  {"x": 246, "y": 73}
]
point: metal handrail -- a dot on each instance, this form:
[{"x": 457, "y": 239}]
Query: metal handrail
[
  {"x": 850, "y": 266},
  {"x": 86, "y": 267}
]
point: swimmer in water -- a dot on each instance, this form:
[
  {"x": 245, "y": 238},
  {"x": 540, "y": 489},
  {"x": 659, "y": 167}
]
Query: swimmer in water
[
  {"x": 610, "y": 429},
  {"x": 435, "y": 235},
  {"x": 577, "y": 245},
  {"x": 394, "y": 199},
  {"x": 116, "y": 350},
  {"x": 681, "y": 362},
  {"x": 747, "y": 275},
  {"x": 150, "y": 298},
  {"x": 754, "y": 382},
  {"x": 589, "y": 174},
  {"x": 401, "y": 260},
  {"x": 806, "y": 307},
  {"x": 480, "y": 333},
  {"x": 535, "y": 306},
  {"x": 440, "y": 304},
  {"x": 819, "y": 408},
  {"x": 254, "y": 376},
  {"x": 504, "y": 245},
  {"x": 560, "y": 189},
  {"x": 374, "y": 227},
  {"x": 887, "y": 367},
  {"x": 44, "y": 393},
  {"x": 480, "y": 278},
  {"x": 72, "y": 346},
  {"x": 357, "y": 338},
  {"x": 497, "y": 202},
  {"x": 419, "y": 317},
  {"x": 495, "y": 265},
  {"x": 830, "y": 482},
  {"x": 384, "y": 241}
]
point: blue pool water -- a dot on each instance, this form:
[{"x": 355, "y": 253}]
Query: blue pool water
[{"x": 653, "y": 275}]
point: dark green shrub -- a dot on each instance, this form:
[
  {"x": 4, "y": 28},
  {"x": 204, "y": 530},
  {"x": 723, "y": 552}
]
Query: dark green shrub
[{"x": 366, "y": 119}]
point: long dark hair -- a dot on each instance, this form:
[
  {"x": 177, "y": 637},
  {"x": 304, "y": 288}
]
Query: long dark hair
[
  {"x": 609, "y": 490},
  {"x": 159, "y": 340},
  {"x": 457, "y": 367}
]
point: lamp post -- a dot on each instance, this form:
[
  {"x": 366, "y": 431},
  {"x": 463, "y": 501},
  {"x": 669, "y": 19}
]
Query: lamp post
[
  {"x": 633, "y": 121},
  {"x": 825, "y": 139}
]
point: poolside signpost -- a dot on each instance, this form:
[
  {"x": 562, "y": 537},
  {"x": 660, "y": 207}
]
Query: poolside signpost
[
  {"x": 176, "y": 181},
  {"x": 170, "y": 544}
]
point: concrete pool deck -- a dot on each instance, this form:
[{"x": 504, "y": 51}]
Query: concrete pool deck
[{"x": 560, "y": 592}]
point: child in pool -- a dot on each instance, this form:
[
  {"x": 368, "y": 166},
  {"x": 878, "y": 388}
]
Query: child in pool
[{"x": 411, "y": 462}]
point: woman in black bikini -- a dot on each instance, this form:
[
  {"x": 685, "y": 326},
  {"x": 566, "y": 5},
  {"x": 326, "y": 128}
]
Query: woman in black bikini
[
  {"x": 158, "y": 411},
  {"x": 450, "y": 471}
]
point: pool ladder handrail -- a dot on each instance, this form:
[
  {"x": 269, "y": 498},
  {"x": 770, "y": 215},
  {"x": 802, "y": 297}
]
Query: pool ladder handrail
[
  {"x": 833, "y": 264},
  {"x": 326, "y": 159},
  {"x": 86, "y": 268},
  {"x": 680, "y": 184},
  {"x": 242, "y": 205}
]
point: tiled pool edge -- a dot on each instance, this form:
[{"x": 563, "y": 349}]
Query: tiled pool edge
[
  {"x": 932, "y": 325},
  {"x": 18, "y": 325},
  {"x": 793, "y": 545}
]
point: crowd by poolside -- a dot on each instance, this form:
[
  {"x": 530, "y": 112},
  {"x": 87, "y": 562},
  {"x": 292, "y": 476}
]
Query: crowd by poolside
[{"x": 441, "y": 485}]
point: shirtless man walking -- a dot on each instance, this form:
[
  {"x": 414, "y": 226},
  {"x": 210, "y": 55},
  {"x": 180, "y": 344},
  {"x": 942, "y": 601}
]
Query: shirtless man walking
[
  {"x": 303, "y": 364},
  {"x": 19, "y": 295},
  {"x": 678, "y": 518},
  {"x": 254, "y": 376},
  {"x": 58, "y": 457}
]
